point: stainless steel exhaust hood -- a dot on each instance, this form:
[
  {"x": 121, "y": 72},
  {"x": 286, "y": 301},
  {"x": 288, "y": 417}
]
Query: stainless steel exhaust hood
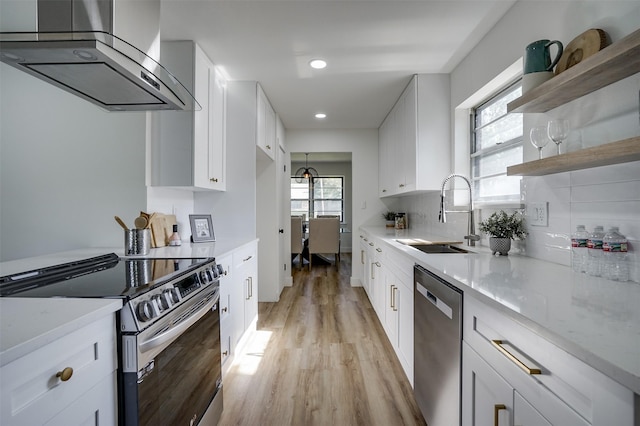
[{"x": 75, "y": 50}]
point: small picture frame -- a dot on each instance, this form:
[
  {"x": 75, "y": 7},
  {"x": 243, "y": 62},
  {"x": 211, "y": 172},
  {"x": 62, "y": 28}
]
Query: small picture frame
[{"x": 201, "y": 228}]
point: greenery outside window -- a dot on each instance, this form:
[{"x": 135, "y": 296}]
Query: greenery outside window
[
  {"x": 495, "y": 144},
  {"x": 322, "y": 195}
]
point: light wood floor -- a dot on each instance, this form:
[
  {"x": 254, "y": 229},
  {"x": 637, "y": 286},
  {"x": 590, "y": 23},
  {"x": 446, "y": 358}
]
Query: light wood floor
[{"x": 320, "y": 357}]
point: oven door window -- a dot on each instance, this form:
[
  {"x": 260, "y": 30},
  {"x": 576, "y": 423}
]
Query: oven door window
[{"x": 184, "y": 378}]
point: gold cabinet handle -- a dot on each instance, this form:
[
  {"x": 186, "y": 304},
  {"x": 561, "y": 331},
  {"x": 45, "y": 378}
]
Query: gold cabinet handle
[
  {"x": 496, "y": 411},
  {"x": 213, "y": 179},
  {"x": 371, "y": 244},
  {"x": 225, "y": 353},
  {"x": 393, "y": 293},
  {"x": 378, "y": 249},
  {"x": 362, "y": 256},
  {"x": 224, "y": 309},
  {"x": 401, "y": 185},
  {"x": 391, "y": 296},
  {"x": 65, "y": 374},
  {"x": 247, "y": 259},
  {"x": 268, "y": 146},
  {"x": 384, "y": 190},
  {"x": 516, "y": 361}
]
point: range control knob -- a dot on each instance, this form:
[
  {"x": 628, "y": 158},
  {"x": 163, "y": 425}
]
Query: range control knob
[
  {"x": 167, "y": 299},
  {"x": 220, "y": 269},
  {"x": 174, "y": 295},
  {"x": 145, "y": 311},
  {"x": 161, "y": 302},
  {"x": 205, "y": 276}
]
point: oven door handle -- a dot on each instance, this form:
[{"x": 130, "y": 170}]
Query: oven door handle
[{"x": 178, "y": 328}]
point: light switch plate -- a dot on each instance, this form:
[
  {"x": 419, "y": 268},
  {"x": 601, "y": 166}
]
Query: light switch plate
[{"x": 538, "y": 214}]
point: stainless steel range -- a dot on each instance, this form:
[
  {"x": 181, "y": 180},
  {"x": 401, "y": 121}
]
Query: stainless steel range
[{"x": 168, "y": 329}]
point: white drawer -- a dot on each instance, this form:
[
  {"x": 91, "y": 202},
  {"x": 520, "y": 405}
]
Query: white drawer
[
  {"x": 246, "y": 253},
  {"x": 595, "y": 397},
  {"x": 97, "y": 407},
  {"x": 30, "y": 392}
]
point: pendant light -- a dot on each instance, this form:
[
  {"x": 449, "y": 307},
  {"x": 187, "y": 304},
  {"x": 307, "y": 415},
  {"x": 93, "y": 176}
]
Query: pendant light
[{"x": 306, "y": 172}]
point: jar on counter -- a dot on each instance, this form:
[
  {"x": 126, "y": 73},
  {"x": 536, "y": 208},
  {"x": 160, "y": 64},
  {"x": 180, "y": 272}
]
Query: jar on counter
[{"x": 401, "y": 221}]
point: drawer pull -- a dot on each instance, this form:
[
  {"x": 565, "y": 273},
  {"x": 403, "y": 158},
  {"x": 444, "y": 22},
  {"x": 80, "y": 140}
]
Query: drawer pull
[
  {"x": 523, "y": 366},
  {"x": 65, "y": 374},
  {"x": 225, "y": 353},
  {"x": 496, "y": 411}
]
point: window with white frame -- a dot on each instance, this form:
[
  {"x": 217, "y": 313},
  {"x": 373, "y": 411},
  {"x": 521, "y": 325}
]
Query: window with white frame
[
  {"x": 319, "y": 196},
  {"x": 496, "y": 143}
]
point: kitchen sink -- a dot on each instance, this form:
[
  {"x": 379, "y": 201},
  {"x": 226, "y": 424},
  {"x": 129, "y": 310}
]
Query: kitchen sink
[
  {"x": 439, "y": 248},
  {"x": 434, "y": 247}
]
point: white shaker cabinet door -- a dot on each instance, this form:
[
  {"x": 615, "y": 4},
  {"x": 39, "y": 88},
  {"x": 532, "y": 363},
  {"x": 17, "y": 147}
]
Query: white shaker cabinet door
[{"x": 486, "y": 396}]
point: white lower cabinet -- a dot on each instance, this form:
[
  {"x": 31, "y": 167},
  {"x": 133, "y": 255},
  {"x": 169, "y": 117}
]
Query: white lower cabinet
[
  {"x": 364, "y": 264},
  {"x": 486, "y": 397},
  {"x": 398, "y": 317},
  {"x": 245, "y": 289},
  {"x": 226, "y": 322},
  {"x": 33, "y": 389},
  {"x": 377, "y": 277},
  {"x": 238, "y": 299},
  {"x": 512, "y": 376}
]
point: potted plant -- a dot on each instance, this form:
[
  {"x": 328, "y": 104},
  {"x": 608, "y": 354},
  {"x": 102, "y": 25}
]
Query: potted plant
[
  {"x": 502, "y": 228},
  {"x": 390, "y": 219}
]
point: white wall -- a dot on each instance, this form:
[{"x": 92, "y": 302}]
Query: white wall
[
  {"x": 363, "y": 145},
  {"x": 66, "y": 168},
  {"x": 599, "y": 196}
]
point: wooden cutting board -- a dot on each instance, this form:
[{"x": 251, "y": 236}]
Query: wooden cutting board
[
  {"x": 162, "y": 228},
  {"x": 581, "y": 47}
]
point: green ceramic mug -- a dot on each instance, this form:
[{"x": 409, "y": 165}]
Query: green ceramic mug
[{"x": 537, "y": 57}]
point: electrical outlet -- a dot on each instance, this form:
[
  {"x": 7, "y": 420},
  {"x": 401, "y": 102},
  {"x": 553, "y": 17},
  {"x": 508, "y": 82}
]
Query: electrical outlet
[{"x": 538, "y": 214}]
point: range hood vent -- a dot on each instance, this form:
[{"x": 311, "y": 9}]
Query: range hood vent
[{"x": 92, "y": 63}]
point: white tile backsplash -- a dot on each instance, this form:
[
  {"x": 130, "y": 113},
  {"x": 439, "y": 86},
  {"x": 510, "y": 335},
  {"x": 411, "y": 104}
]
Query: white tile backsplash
[{"x": 607, "y": 196}]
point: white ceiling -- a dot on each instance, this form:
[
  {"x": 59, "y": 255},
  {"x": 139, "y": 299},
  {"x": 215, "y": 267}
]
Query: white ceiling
[{"x": 372, "y": 47}]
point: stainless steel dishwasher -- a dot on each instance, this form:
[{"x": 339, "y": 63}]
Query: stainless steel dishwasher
[{"x": 437, "y": 348}]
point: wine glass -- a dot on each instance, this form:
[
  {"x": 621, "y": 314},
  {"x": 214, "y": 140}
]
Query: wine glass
[
  {"x": 539, "y": 139},
  {"x": 558, "y": 130}
]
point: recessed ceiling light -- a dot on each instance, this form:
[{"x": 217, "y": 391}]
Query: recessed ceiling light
[
  {"x": 318, "y": 64},
  {"x": 321, "y": 115}
]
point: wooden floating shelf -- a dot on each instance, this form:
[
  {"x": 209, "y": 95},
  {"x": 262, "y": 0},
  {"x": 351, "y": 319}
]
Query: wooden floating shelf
[
  {"x": 623, "y": 151},
  {"x": 611, "y": 64}
]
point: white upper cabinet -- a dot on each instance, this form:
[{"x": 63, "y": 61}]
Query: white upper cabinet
[
  {"x": 188, "y": 149},
  {"x": 266, "y": 125},
  {"x": 414, "y": 139}
]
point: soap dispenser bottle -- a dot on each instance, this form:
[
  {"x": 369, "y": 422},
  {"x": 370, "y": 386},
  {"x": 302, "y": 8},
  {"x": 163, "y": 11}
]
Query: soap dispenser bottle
[{"x": 175, "y": 240}]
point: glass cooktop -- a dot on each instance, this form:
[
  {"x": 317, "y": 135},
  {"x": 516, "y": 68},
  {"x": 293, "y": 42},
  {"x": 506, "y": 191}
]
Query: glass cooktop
[{"x": 105, "y": 276}]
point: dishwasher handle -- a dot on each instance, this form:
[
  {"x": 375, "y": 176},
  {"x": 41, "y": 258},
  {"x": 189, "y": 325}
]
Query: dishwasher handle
[{"x": 433, "y": 299}]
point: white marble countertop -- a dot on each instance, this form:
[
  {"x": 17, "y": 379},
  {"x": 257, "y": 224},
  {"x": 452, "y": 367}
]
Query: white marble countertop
[
  {"x": 594, "y": 319},
  {"x": 27, "y": 324}
]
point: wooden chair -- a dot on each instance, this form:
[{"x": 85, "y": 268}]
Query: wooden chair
[
  {"x": 297, "y": 238},
  {"x": 324, "y": 238}
]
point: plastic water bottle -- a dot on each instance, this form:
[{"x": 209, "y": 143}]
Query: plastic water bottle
[
  {"x": 614, "y": 252},
  {"x": 579, "y": 249},
  {"x": 594, "y": 244}
]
